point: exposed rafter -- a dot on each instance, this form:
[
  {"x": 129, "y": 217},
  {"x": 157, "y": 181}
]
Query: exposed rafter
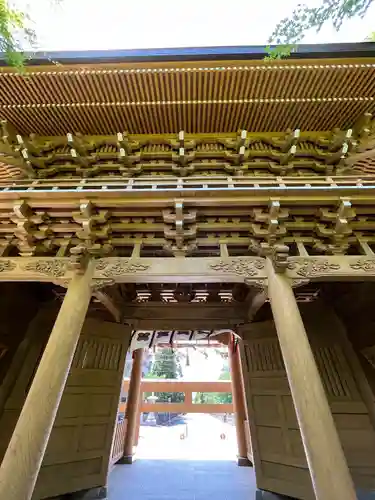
[{"x": 161, "y": 98}]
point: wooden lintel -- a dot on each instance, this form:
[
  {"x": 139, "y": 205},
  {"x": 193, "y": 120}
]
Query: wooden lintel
[
  {"x": 188, "y": 270},
  {"x": 141, "y": 270},
  {"x": 186, "y": 323},
  {"x": 332, "y": 268},
  {"x": 188, "y": 316},
  {"x": 184, "y": 407},
  {"x": 176, "y": 311}
]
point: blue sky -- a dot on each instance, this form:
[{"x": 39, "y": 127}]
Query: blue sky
[{"x": 121, "y": 24}]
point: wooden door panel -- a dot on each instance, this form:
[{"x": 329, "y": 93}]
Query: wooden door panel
[
  {"x": 79, "y": 449},
  {"x": 342, "y": 380},
  {"x": 278, "y": 454}
]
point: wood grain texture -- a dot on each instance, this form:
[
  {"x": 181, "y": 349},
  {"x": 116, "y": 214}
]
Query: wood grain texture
[
  {"x": 238, "y": 400},
  {"x": 327, "y": 463},
  {"x": 197, "y": 96},
  {"x": 22, "y": 461},
  {"x": 84, "y": 431},
  {"x": 133, "y": 403},
  {"x": 277, "y": 450}
]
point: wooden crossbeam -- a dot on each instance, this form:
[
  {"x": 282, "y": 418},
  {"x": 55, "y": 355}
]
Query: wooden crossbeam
[{"x": 188, "y": 270}]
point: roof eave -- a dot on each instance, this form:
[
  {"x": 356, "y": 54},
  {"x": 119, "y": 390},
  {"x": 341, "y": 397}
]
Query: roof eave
[{"x": 250, "y": 52}]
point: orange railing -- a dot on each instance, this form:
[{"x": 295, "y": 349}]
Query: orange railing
[
  {"x": 186, "y": 387},
  {"x": 188, "y": 406},
  {"x": 118, "y": 441}
]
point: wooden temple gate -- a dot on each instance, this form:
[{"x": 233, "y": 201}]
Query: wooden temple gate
[{"x": 158, "y": 233}]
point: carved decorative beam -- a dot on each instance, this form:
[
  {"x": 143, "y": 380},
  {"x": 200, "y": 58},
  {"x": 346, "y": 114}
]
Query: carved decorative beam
[
  {"x": 334, "y": 268},
  {"x": 188, "y": 270}
]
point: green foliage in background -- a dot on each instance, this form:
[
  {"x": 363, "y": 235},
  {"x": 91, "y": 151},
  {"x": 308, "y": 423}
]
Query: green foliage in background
[
  {"x": 215, "y": 397},
  {"x": 291, "y": 30},
  {"x": 12, "y": 25},
  {"x": 166, "y": 366}
]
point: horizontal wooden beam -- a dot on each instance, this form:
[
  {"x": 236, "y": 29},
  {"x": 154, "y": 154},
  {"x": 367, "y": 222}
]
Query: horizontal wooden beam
[
  {"x": 180, "y": 310},
  {"x": 229, "y": 191},
  {"x": 187, "y": 388},
  {"x": 187, "y": 408},
  {"x": 183, "y": 408},
  {"x": 166, "y": 385},
  {"x": 188, "y": 270},
  {"x": 142, "y": 270},
  {"x": 332, "y": 268}
]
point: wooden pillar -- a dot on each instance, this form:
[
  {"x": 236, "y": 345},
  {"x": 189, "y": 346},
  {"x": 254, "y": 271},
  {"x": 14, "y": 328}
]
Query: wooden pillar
[
  {"x": 138, "y": 421},
  {"x": 325, "y": 457},
  {"x": 23, "y": 458},
  {"x": 132, "y": 406},
  {"x": 238, "y": 397}
]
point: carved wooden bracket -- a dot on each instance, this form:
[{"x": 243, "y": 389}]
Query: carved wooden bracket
[{"x": 278, "y": 255}]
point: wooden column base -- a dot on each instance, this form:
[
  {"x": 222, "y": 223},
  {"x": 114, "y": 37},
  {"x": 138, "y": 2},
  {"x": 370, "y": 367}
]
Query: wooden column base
[
  {"x": 366, "y": 495},
  {"x": 99, "y": 493},
  {"x": 128, "y": 460},
  {"x": 267, "y": 495},
  {"x": 244, "y": 462}
]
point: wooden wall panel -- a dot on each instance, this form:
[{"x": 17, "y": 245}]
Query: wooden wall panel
[
  {"x": 36, "y": 337},
  {"x": 79, "y": 450},
  {"x": 279, "y": 456},
  {"x": 354, "y": 304},
  {"x": 19, "y": 304}
]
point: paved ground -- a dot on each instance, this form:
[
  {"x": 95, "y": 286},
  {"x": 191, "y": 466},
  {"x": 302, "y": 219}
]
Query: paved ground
[
  {"x": 181, "y": 480},
  {"x": 199, "y": 467},
  {"x": 202, "y": 440}
]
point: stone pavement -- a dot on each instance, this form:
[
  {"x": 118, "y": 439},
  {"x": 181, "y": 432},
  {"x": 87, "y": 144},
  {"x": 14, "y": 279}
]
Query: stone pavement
[{"x": 181, "y": 480}]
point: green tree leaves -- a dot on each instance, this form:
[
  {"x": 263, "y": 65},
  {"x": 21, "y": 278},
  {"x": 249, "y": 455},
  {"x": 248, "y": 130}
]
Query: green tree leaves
[
  {"x": 291, "y": 30},
  {"x": 167, "y": 366},
  {"x": 13, "y": 27}
]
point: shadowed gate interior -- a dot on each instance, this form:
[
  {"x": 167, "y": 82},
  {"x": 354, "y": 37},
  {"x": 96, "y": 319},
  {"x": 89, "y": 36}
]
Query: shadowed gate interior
[{"x": 85, "y": 441}]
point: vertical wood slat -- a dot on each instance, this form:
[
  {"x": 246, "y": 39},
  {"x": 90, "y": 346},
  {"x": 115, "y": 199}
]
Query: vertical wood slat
[
  {"x": 97, "y": 354},
  {"x": 118, "y": 441}
]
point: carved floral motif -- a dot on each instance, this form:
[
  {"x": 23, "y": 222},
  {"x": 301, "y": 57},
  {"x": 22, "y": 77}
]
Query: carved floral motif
[
  {"x": 310, "y": 268},
  {"x": 363, "y": 265},
  {"x": 259, "y": 284},
  {"x": 98, "y": 283},
  {"x": 7, "y": 265},
  {"x": 239, "y": 267},
  {"x": 54, "y": 268},
  {"x": 298, "y": 283},
  {"x": 119, "y": 267}
]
